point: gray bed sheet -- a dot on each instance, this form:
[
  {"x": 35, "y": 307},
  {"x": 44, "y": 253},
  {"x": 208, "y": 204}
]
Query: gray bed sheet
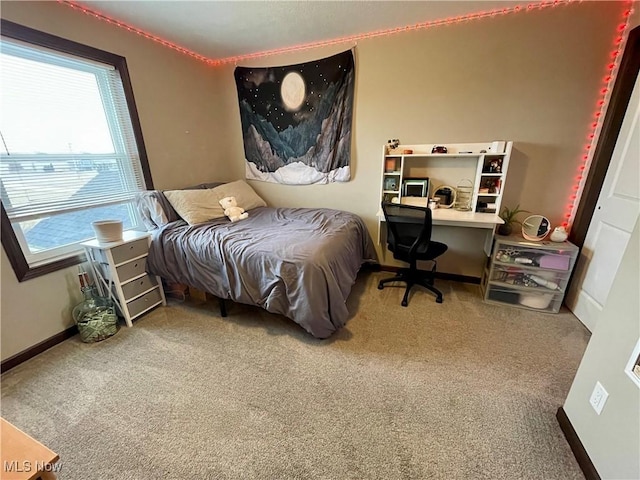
[{"x": 298, "y": 262}]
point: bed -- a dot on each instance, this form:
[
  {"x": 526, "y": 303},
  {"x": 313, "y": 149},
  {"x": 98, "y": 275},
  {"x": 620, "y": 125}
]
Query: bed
[{"x": 297, "y": 262}]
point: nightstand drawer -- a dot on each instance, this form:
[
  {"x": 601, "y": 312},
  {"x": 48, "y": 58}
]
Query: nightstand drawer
[
  {"x": 130, "y": 250},
  {"x": 136, "y": 287},
  {"x": 146, "y": 301},
  {"x": 131, "y": 269}
]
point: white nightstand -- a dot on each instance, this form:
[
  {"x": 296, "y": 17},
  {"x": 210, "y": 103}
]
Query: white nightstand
[{"x": 120, "y": 272}]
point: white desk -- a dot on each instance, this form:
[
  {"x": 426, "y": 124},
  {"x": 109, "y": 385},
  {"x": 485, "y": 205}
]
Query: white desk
[
  {"x": 451, "y": 217},
  {"x": 456, "y": 218}
]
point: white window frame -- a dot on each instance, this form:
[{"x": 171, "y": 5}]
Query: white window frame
[{"x": 25, "y": 263}]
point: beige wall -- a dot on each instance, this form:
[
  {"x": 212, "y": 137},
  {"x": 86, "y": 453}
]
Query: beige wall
[
  {"x": 530, "y": 77},
  {"x": 612, "y": 439}
]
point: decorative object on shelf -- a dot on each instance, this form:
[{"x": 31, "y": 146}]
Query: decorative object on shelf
[
  {"x": 464, "y": 192},
  {"x": 559, "y": 234},
  {"x": 439, "y": 149},
  {"x": 407, "y": 151},
  {"x": 433, "y": 203},
  {"x": 390, "y": 165},
  {"x": 489, "y": 185},
  {"x": 108, "y": 230},
  {"x": 445, "y": 195},
  {"x": 95, "y": 316},
  {"x": 494, "y": 166},
  {"x": 509, "y": 217},
  {"x": 535, "y": 228},
  {"x": 415, "y": 187},
  {"x": 393, "y": 143},
  {"x": 391, "y": 183}
]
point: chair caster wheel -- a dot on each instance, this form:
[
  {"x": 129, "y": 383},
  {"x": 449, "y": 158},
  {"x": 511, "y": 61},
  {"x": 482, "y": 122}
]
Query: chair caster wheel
[
  {"x": 380, "y": 286},
  {"x": 438, "y": 300},
  {"x": 404, "y": 304}
]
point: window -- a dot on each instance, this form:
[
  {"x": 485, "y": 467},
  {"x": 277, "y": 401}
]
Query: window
[{"x": 71, "y": 148}]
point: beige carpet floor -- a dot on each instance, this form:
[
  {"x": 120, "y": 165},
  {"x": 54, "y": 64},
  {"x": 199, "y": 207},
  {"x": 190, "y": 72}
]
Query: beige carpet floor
[{"x": 461, "y": 390}]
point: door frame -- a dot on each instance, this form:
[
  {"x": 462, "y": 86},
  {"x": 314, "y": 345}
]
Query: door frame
[{"x": 620, "y": 95}]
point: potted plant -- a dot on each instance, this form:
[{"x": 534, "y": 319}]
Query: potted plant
[{"x": 509, "y": 217}]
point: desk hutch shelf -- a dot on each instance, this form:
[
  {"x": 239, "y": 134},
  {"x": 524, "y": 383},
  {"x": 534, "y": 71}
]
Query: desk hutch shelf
[
  {"x": 484, "y": 165},
  {"x": 480, "y": 167}
]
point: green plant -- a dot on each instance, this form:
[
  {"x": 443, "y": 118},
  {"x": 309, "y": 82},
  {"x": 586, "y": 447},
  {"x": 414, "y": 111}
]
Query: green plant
[{"x": 509, "y": 215}]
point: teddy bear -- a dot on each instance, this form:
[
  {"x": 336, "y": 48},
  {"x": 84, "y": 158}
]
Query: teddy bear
[{"x": 232, "y": 210}]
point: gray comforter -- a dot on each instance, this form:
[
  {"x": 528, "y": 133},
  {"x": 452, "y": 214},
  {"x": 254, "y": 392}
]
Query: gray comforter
[{"x": 297, "y": 262}]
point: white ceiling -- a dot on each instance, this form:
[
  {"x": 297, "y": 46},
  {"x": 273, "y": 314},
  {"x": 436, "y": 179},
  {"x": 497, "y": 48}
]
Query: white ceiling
[{"x": 223, "y": 29}]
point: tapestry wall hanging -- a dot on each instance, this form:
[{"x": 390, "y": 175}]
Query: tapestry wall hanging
[{"x": 296, "y": 120}]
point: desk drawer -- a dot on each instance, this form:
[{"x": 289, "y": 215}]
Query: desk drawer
[
  {"x": 136, "y": 287},
  {"x": 146, "y": 301}
]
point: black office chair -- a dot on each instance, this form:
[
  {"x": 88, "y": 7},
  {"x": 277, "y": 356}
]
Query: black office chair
[{"x": 409, "y": 238}]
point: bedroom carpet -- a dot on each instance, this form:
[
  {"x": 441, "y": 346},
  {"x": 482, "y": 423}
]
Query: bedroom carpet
[{"x": 461, "y": 390}]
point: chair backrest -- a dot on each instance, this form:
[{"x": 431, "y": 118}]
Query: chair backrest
[{"x": 408, "y": 227}]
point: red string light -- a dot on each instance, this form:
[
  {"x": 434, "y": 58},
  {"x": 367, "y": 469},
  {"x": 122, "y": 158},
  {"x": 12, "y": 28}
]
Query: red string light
[
  {"x": 602, "y": 102},
  {"x": 306, "y": 46},
  {"x": 132, "y": 29}
]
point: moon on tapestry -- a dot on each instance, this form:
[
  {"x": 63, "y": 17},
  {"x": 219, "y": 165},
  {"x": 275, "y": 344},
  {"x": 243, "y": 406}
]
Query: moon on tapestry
[
  {"x": 292, "y": 91},
  {"x": 296, "y": 120}
]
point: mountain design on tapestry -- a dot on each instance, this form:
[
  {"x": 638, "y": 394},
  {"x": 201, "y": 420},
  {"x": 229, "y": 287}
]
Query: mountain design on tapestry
[{"x": 307, "y": 137}]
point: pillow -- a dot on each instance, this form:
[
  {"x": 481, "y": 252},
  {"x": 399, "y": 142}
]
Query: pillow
[
  {"x": 155, "y": 209},
  {"x": 195, "y": 206},
  {"x": 199, "y": 206},
  {"x": 246, "y": 196}
]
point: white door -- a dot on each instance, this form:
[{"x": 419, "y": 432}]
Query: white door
[{"x": 613, "y": 221}]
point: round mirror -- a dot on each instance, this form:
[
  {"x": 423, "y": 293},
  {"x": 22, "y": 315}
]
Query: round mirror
[
  {"x": 535, "y": 228},
  {"x": 446, "y": 196}
]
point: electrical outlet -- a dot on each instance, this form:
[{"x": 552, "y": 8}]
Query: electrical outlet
[{"x": 598, "y": 397}]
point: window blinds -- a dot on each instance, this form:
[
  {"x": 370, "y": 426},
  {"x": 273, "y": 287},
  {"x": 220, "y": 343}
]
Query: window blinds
[{"x": 67, "y": 139}]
